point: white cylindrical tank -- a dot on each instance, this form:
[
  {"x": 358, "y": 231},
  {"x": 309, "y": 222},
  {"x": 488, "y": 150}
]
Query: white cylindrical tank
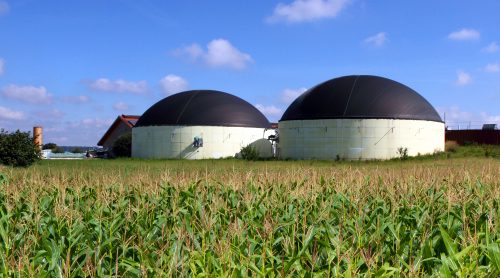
[
  {"x": 359, "y": 117},
  {"x": 354, "y": 139},
  {"x": 200, "y": 124},
  {"x": 180, "y": 141}
]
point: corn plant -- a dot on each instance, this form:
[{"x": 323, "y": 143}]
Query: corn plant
[{"x": 235, "y": 218}]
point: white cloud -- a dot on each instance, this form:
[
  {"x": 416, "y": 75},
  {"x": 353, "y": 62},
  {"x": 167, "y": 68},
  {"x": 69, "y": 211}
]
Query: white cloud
[
  {"x": 193, "y": 51},
  {"x": 220, "y": 53},
  {"x": 2, "y": 66},
  {"x": 455, "y": 114},
  {"x": 51, "y": 114},
  {"x": 491, "y": 48},
  {"x": 307, "y": 10},
  {"x": 492, "y": 68},
  {"x": 487, "y": 118},
  {"x": 83, "y": 132},
  {"x": 289, "y": 95},
  {"x": 270, "y": 110},
  {"x": 29, "y": 94},
  {"x": 118, "y": 86},
  {"x": 9, "y": 114},
  {"x": 464, "y": 34},
  {"x": 92, "y": 122},
  {"x": 172, "y": 84},
  {"x": 77, "y": 132},
  {"x": 456, "y": 118},
  {"x": 120, "y": 106},
  {"x": 377, "y": 40},
  {"x": 60, "y": 140},
  {"x": 76, "y": 99},
  {"x": 4, "y": 7},
  {"x": 463, "y": 78}
]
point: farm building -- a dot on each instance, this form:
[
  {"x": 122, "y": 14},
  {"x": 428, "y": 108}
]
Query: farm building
[
  {"x": 488, "y": 135},
  {"x": 359, "y": 117},
  {"x": 200, "y": 124},
  {"x": 121, "y": 126}
]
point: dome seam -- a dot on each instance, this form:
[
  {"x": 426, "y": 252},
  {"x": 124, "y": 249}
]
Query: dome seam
[
  {"x": 185, "y": 107},
  {"x": 350, "y": 94}
]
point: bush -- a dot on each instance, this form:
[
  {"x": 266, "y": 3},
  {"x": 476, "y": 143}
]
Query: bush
[
  {"x": 122, "y": 147},
  {"x": 403, "y": 153},
  {"x": 58, "y": 149},
  {"x": 49, "y": 146},
  {"x": 249, "y": 153},
  {"x": 18, "y": 149},
  {"x": 77, "y": 150},
  {"x": 489, "y": 151},
  {"x": 451, "y": 146}
]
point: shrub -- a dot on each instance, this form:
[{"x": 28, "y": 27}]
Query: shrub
[
  {"x": 122, "y": 147},
  {"x": 77, "y": 150},
  {"x": 18, "y": 149},
  {"x": 403, "y": 153},
  {"x": 451, "y": 146},
  {"x": 58, "y": 149},
  {"x": 49, "y": 146},
  {"x": 489, "y": 151},
  {"x": 249, "y": 153}
]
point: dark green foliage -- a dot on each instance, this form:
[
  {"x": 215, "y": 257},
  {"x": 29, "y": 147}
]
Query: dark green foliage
[
  {"x": 3, "y": 179},
  {"x": 49, "y": 146},
  {"x": 18, "y": 149},
  {"x": 58, "y": 149},
  {"x": 234, "y": 218},
  {"x": 215, "y": 231},
  {"x": 122, "y": 147},
  {"x": 489, "y": 151},
  {"x": 249, "y": 153},
  {"x": 403, "y": 153},
  {"x": 77, "y": 150},
  {"x": 464, "y": 151}
]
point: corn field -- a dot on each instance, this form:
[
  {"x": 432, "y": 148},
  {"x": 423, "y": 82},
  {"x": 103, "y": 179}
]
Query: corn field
[{"x": 134, "y": 218}]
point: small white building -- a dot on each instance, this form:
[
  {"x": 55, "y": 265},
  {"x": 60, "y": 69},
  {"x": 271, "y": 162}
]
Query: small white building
[
  {"x": 359, "y": 117},
  {"x": 200, "y": 124}
]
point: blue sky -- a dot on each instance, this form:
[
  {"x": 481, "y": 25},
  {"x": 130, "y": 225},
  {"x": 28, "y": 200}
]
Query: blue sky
[{"x": 73, "y": 66}]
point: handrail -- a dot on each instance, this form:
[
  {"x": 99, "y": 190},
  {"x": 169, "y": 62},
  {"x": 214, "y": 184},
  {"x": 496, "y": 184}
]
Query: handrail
[{"x": 392, "y": 128}]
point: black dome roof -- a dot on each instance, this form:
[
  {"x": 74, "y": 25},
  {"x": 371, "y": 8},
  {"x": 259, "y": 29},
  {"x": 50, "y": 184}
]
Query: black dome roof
[
  {"x": 360, "y": 96},
  {"x": 203, "y": 107}
]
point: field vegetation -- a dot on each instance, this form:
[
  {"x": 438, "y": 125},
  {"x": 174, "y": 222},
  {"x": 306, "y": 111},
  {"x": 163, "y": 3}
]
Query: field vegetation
[{"x": 434, "y": 216}]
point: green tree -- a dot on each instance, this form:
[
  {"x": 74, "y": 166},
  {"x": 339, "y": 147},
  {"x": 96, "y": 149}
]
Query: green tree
[
  {"x": 58, "y": 149},
  {"x": 122, "y": 147},
  {"x": 18, "y": 149},
  {"x": 77, "y": 150},
  {"x": 49, "y": 146}
]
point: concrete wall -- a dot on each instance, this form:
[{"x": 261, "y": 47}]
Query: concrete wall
[
  {"x": 177, "y": 141},
  {"x": 358, "y": 139}
]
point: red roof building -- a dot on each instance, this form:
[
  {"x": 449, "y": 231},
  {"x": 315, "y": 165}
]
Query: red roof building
[{"x": 122, "y": 125}]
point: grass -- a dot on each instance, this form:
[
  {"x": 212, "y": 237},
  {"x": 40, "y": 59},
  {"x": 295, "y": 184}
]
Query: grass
[{"x": 434, "y": 216}]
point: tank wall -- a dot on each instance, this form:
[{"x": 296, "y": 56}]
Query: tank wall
[
  {"x": 358, "y": 139},
  {"x": 177, "y": 141}
]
